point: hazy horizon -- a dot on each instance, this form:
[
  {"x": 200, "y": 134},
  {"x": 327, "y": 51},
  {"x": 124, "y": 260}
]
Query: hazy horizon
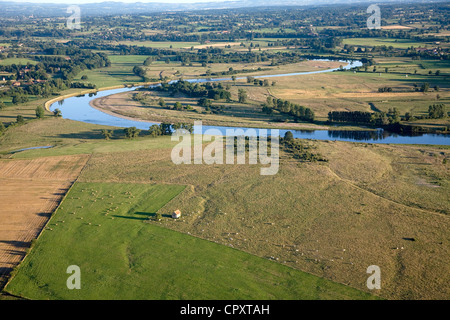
[
  {"x": 100, "y": 1},
  {"x": 151, "y": 1}
]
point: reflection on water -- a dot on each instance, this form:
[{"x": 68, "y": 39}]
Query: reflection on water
[
  {"x": 79, "y": 109},
  {"x": 359, "y": 135},
  {"x": 383, "y": 136},
  {"x": 378, "y": 136},
  {"x": 32, "y": 148}
]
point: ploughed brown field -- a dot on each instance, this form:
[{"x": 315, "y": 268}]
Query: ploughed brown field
[{"x": 30, "y": 190}]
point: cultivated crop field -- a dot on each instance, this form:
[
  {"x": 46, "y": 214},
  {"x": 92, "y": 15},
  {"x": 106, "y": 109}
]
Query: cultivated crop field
[
  {"x": 101, "y": 197},
  {"x": 30, "y": 190}
]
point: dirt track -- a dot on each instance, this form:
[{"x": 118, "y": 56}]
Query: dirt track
[{"x": 30, "y": 190}]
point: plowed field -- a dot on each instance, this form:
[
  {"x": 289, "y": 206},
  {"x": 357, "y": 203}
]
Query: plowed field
[{"x": 30, "y": 190}]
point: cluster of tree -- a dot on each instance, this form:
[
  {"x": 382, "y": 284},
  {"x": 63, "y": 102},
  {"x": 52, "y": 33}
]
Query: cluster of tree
[
  {"x": 205, "y": 103},
  {"x": 209, "y": 90},
  {"x": 107, "y": 134},
  {"x": 20, "y": 94},
  {"x": 40, "y": 112},
  {"x": 17, "y": 97},
  {"x": 167, "y": 128},
  {"x": 148, "y": 61},
  {"x": 140, "y": 72},
  {"x": 57, "y": 113},
  {"x": 437, "y": 111},
  {"x": 299, "y": 150},
  {"x": 425, "y": 87},
  {"x": 130, "y": 133},
  {"x": 62, "y": 69},
  {"x": 179, "y": 106},
  {"x": 368, "y": 118},
  {"x": 351, "y": 116},
  {"x": 232, "y": 71},
  {"x": 77, "y": 60},
  {"x": 242, "y": 96},
  {"x": 24, "y": 72},
  {"x": 300, "y": 113},
  {"x": 155, "y": 130},
  {"x": 139, "y": 97},
  {"x": 209, "y": 107},
  {"x": 385, "y": 89},
  {"x": 261, "y": 83},
  {"x": 82, "y": 85}
]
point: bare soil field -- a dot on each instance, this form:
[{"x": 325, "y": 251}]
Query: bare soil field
[
  {"x": 394, "y": 27},
  {"x": 30, "y": 190}
]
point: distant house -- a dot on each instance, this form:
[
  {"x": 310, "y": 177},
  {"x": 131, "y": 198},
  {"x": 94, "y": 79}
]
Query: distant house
[
  {"x": 16, "y": 84},
  {"x": 176, "y": 214}
]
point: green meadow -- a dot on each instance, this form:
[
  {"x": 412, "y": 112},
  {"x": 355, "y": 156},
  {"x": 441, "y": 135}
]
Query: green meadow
[
  {"x": 17, "y": 61},
  {"x": 396, "y": 43},
  {"x": 120, "y": 72},
  {"x": 104, "y": 228},
  {"x": 71, "y": 137}
]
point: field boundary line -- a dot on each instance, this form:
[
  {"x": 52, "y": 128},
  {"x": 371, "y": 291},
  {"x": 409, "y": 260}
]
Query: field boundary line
[
  {"x": 384, "y": 198},
  {"x": 12, "y": 274},
  {"x": 264, "y": 258}
]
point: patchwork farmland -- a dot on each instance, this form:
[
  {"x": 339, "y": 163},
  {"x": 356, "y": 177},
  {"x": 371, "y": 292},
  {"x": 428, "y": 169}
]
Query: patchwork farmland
[
  {"x": 362, "y": 173},
  {"x": 30, "y": 191}
]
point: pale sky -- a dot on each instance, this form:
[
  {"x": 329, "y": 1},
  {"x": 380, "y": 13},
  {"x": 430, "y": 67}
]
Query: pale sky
[{"x": 129, "y": 1}]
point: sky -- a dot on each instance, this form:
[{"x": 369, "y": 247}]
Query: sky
[{"x": 129, "y": 1}]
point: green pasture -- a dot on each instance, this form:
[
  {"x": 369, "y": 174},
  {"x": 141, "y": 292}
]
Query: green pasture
[{"x": 123, "y": 255}]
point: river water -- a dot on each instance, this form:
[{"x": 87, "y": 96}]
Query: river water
[{"x": 79, "y": 109}]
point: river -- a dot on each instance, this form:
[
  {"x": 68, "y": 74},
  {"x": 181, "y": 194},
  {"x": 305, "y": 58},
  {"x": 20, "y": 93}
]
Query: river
[{"x": 79, "y": 109}]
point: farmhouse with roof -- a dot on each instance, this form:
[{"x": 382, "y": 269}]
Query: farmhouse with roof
[{"x": 176, "y": 214}]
